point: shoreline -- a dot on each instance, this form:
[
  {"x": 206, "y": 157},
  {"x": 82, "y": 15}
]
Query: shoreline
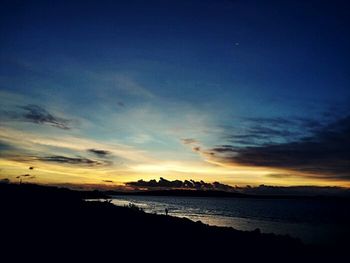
[
  {"x": 52, "y": 214},
  {"x": 310, "y": 233}
]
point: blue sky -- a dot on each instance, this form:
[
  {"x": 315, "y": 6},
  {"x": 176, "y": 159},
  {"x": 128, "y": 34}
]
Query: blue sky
[{"x": 145, "y": 77}]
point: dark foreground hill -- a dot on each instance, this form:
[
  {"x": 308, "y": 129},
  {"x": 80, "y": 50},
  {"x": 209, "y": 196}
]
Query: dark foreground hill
[{"x": 57, "y": 223}]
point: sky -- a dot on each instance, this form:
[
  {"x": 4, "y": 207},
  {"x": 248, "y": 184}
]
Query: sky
[{"x": 241, "y": 92}]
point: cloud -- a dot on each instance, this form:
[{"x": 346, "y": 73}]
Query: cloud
[
  {"x": 79, "y": 161},
  {"x": 100, "y": 153},
  {"x": 194, "y": 144},
  {"x": 23, "y": 147},
  {"x": 177, "y": 184},
  {"x": 39, "y": 115},
  {"x": 26, "y": 176},
  {"x": 28, "y": 143},
  {"x": 108, "y": 181},
  {"x": 272, "y": 121},
  {"x": 223, "y": 149},
  {"x": 72, "y": 160},
  {"x": 197, "y": 149},
  {"x": 326, "y": 153},
  {"x": 189, "y": 141},
  {"x": 286, "y": 122},
  {"x": 261, "y": 131}
]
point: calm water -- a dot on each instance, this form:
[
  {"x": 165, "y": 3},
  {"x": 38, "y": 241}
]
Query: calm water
[{"x": 313, "y": 221}]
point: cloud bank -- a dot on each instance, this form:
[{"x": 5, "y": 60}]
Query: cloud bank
[
  {"x": 324, "y": 154},
  {"x": 177, "y": 184}
]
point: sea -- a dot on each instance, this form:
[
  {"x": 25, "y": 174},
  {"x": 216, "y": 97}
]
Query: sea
[{"x": 314, "y": 221}]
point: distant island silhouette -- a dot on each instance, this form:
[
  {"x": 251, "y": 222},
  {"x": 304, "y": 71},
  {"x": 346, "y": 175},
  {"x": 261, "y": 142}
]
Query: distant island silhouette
[{"x": 164, "y": 187}]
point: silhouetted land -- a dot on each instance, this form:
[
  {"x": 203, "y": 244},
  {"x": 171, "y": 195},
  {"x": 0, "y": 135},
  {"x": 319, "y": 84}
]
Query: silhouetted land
[{"x": 38, "y": 221}]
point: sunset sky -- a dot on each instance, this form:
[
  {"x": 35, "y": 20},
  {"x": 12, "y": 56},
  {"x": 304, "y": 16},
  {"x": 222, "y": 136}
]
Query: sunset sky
[{"x": 240, "y": 92}]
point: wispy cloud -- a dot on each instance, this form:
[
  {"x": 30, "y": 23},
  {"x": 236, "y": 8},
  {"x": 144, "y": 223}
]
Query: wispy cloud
[
  {"x": 189, "y": 141},
  {"x": 37, "y": 114},
  {"x": 72, "y": 160},
  {"x": 20, "y": 144},
  {"x": 129, "y": 85},
  {"x": 122, "y": 82},
  {"x": 59, "y": 159}
]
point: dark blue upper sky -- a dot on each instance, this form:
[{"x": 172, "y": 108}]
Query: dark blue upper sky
[
  {"x": 285, "y": 49},
  {"x": 219, "y": 68}
]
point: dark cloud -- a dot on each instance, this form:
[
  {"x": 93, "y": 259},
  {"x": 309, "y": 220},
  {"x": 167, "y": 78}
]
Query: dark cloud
[
  {"x": 177, "y": 184},
  {"x": 100, "y": 153},
  {"x": 325, "y": 153},
  {"x": 72, "y": 160},
  {"x": 26, "y": 176},
  {"x": 108, "y": 181},
  {"x": 37, "y": 114},
  {"x": 223, "y": 149},
  {"x": 196, "y": 149}
]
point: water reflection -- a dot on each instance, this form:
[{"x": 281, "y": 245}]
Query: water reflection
[{"x": 313, "y": 222}]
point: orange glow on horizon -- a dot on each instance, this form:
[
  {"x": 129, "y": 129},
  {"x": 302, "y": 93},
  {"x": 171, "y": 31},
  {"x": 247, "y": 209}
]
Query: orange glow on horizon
[{"x": 240, "y": 175}]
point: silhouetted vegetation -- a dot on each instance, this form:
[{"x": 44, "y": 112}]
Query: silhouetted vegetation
[{"x": 134, "y": 207}]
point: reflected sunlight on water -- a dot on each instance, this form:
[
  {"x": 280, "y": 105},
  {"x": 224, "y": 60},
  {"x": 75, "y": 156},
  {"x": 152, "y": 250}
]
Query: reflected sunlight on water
[{"x": 313, "y": 221}]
